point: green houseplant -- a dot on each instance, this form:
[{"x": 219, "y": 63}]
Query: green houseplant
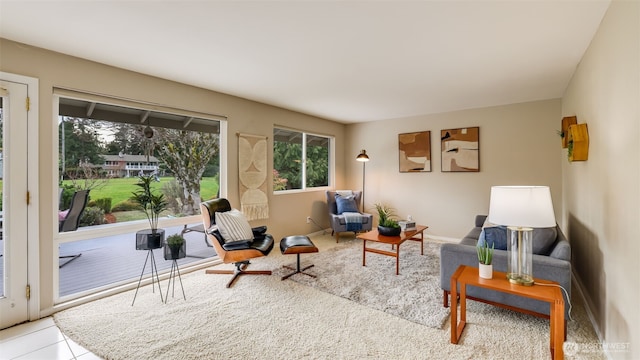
[
  {"x": 175, "y": 243},
  {"x": 152, "y": 205},
  {"x": 387, "y": 225},
  {"x": 485, "y": 258}
]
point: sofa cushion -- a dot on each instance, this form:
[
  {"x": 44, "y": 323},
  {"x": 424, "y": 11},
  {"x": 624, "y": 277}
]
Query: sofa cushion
[
  {"x": 346, "y": 203},
  {"x": 543, "y": 240},
  {"x": 233, "y": 226}
]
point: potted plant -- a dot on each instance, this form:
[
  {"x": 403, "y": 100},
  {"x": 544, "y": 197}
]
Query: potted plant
[
  {"x": 152, "y": 204},
  {"x": 387, "y": 225},
  {"x": 485, "y": 257},
  {"x": 175, "y": 247}
]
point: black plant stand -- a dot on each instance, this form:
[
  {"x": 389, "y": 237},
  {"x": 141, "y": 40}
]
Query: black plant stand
[
  {"x": 172, "y": 276},
  {"x": 173, "y": 254},
  {"x": 154, "y": 270},
  {"x": 149, "y": 240}
]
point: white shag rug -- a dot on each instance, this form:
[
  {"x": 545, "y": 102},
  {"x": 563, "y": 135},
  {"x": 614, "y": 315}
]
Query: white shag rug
[
  {"x": 262, "y": 317},
  {"x": 413, "y": 295}
]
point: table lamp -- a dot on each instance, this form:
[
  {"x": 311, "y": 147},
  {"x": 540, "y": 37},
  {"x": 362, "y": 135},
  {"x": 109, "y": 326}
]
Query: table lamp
[{"x": 521, "y": 208}]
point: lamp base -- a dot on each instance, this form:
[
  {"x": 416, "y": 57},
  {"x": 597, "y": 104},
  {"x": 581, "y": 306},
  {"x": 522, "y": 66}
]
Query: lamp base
[{"x": 519, "y": 279}]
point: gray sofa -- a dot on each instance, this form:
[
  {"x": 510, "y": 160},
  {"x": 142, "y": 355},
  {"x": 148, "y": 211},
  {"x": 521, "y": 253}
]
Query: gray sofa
[{"x": 554, "y": 264}]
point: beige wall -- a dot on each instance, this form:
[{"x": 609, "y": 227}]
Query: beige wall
[
  {"x": 518, "y": 146},
  {"x": 602, "y": 194},
  {"x": 287, "y": 212}
]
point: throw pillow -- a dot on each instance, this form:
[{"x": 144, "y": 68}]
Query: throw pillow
[
  {"x": 494, "y": 235},
  {"x": 62, "y": 214},
  {"x": 233, "y": 226},
  {"x": 346, "y": 204}
]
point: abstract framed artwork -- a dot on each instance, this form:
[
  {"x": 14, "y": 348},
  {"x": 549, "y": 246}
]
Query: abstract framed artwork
[
  {"x": 415, "y": 151},
  {"x": 460, "y": 149}
]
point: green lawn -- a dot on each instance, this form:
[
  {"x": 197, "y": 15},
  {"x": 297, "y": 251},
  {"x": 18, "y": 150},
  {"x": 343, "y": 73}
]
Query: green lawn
[{"x": 120, "y": 189}]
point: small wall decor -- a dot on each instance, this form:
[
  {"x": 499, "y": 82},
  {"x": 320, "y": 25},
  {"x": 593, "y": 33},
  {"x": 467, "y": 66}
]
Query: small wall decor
[
  {"x": 460, "y": 149},
  {"x": 564, "y": 130},
  {"x": 578, "y": 142},
  {"x": 415, "y": 151}
]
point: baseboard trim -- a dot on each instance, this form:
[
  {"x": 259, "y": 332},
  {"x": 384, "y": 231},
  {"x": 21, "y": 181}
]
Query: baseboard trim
[
  {"x": 442, "y": 238},
  {"x": 589, "y": 309}
]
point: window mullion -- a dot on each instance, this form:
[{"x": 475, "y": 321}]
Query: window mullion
[{"x": 304, "y": 161}]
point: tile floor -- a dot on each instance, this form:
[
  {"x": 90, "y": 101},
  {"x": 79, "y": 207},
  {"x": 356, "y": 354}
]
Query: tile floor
[{"x": 40, "y": 340}]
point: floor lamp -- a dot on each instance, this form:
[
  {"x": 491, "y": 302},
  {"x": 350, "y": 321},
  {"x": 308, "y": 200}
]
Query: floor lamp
[{"x": 363, "y": 158}]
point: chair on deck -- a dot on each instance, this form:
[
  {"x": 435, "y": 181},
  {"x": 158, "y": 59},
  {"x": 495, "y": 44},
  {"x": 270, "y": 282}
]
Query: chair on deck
[
  {"x": 344, "y": 214},
  {"x": 200, "y": 229},
  {"x": 240, "y": 243},
  {"x": 69, "y": 220}
]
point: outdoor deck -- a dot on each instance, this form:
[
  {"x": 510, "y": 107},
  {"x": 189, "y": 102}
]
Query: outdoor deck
[{"x": 114, "y": 259}]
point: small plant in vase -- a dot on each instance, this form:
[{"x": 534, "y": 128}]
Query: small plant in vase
[
  {"x": 387, "y": 225},
  {"x": 485, "y": 258},
  {"x": 152, "y": 205},
  {"x": 175, "y": 246}
]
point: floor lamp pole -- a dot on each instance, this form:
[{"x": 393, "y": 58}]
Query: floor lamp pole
[
  {"x": 363, "y": 172},
  {"x": 362, "y": 157}
]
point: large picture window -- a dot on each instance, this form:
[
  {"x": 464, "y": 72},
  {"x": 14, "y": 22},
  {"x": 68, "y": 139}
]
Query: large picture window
[
  {"x": 300, "y": 160},
  {"x": 105, "y": 147}
]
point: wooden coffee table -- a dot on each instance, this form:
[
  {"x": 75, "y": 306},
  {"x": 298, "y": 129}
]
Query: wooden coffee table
[
  {"x": 548, "y": 291},
  {"x": 394, "y": 241}
]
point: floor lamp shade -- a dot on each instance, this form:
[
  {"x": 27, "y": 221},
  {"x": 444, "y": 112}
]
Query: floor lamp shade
[{"x": 521, "y": 208}]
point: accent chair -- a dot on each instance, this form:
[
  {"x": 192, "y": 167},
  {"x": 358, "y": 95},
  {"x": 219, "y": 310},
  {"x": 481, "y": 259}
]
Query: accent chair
[{"x": 239, "y": 251}]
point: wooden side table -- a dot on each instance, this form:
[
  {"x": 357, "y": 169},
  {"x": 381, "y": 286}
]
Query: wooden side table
[{"x": 466, "y": 275}]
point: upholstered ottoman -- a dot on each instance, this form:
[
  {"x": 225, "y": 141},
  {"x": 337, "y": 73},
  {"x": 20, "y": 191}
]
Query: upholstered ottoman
[{"x": 297, "y": 244}]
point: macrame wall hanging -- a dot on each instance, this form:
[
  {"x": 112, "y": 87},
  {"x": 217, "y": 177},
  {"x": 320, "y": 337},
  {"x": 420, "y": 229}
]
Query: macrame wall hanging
[{"x": 252, "y": 168}]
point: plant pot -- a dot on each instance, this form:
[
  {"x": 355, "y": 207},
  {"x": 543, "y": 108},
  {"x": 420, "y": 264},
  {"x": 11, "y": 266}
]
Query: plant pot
[
  {"x": 149, "y": 240},
  {"x": 485, "y": 271},
  {"x": 175, "y": 252},
  {"x": 388, "y": 231}
]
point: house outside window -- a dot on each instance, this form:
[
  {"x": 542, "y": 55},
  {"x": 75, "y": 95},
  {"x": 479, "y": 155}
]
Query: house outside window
[{"x": 301, "y": 160}]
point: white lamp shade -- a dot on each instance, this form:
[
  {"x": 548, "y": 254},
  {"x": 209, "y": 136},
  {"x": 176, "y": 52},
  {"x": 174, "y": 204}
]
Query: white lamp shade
[{"x": 522, "y": 206}]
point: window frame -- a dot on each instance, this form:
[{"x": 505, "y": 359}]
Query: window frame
[
  {"x": 330, "y": 162},
  {"x": 95, "y": 231}
]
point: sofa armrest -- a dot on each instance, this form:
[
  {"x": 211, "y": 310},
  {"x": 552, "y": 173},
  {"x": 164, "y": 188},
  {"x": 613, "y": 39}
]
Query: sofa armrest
[{"x": 562, "y": 251}]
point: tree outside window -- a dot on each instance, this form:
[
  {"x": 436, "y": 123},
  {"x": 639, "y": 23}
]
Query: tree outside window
[{"x": 300, "y": 160}]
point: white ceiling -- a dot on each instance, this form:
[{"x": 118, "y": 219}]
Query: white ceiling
[{"x": 348, "y": 61}]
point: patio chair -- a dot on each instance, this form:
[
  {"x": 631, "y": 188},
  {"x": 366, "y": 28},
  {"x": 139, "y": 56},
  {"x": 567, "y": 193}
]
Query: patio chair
[
  {"x": 239, "y": 251},
  {"x": 71, "y": 218}
]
